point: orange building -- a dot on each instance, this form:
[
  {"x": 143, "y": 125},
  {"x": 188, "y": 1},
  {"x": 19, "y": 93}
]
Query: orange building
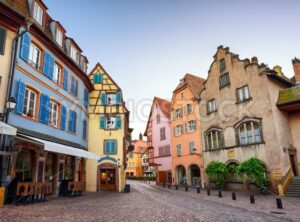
[
  {"x": 187, "y": 167},
  {"x": 134, "y": 160}
]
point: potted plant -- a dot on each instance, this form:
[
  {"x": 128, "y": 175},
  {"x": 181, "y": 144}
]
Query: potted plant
[
  {"x": 254, "y": 171},
  {"x": 217, "y": 172}
]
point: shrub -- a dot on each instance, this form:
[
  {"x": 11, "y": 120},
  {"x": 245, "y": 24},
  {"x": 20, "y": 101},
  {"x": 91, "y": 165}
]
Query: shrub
[
  {"x": 254, "y": 170},
  {"x": 217, "y": 172}
]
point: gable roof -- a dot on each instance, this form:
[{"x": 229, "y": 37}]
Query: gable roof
[
  {"x": 164, "y": 106},
  {"x": 194, "y": 83}
]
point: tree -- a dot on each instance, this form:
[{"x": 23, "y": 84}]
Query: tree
[{"x": 217, "y": 172}]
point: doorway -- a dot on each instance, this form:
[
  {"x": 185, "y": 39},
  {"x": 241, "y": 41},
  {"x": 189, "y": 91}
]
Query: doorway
[
  {"x": 293, "y": 164},
  {"x": 107, "y": 179}
]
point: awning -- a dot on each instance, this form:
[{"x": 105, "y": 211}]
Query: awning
[
  {"x": 7, "y": 129},
  {"x": 68, "y": 150}
]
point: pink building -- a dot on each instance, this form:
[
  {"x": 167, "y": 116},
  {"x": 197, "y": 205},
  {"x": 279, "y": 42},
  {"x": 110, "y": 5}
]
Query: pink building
[{"x": 159, "y": 140}]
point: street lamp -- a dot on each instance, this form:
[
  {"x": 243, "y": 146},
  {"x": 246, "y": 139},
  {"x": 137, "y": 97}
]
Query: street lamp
[{"x": 10, "y": 106}]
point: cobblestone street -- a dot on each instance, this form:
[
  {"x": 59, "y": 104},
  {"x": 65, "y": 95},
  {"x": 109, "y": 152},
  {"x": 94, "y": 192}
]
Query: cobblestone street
[{"x": 151, "y": 203}]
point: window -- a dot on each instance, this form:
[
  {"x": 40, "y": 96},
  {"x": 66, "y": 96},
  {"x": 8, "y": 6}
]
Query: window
[
  {"x": 110, "y": 122},
  {"x": 211, "y": 106},
  {"x": 191, "y": 126},
  {"x": 189, "y": 108},
  {"x": 178, "y": 130},
  {"x": 163, "y": 133},
  {"x": 157, "y": 118},
  {"x": 57, "y": 74},
  {"x": 192, "y": 147},
  {"x": 224, "y": 80},
  {"x": 110, "y": 146},
  {"x": 182, "y": 95},
  {"x": 34, "y": 56},
  {"x": 59, "y": 37},
  {"x": 74, "y": 86},
  {"x": 98, "y": 78},
  {"x": 2, "y": 40},
  {"x": 53, "y": 114},
  {"x": 242, "y": 94},
  {"x": 74, "y": 54},
  {"x": 177, "y": 113},
  {"x": 222, "y": 65},
  {"x": 38, "y": 13},
  {"x": 72, "y": 121},
  {"x": 250, "y": 133},
  {"x": 111, "y": 99},
  {"x": 84, "y": 129},
  {"x": 178, "y": 149},
  {"x": 214, "y": 140},
  {"x": 29, "y": 103}
]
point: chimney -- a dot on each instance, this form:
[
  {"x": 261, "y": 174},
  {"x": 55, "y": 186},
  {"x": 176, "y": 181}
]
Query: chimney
[
  {"x": 254, "y": 60},
  {"x": 140, "y": 136},
  {"x": 278, "y": 70},
  {"x": 296, "y": 66}
]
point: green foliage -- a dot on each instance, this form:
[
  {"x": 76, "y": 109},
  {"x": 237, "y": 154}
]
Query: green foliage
[
  {"x": 254, "y": 170},
  {"x": 217, "y": 172}
]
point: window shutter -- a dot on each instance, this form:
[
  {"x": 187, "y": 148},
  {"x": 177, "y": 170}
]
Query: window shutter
[
  {"x": 84, "y": 132},
  {"x": 102, "y": 122},
  {"x": 103, "y": 98},
  {"x": 76, "y": 87},
  {"x": 44, "y": 109},
  {"x": 63, "y": 118},
  {"x": 118, "y": 122},
  {"x": 51, "y": 67},
  {"x": 25, "y": 45},
  {"x": 74, "y": 121},
  {"x": 73, "y": 85},
  {"x": 66, "y": 78},
  {"x": 20, "y": 97},
  {"x": 46, "y": 64},
  {"x": 86, "y": 98},
  {"x": 119, "y": 98},
  {"x": 107, "y": 146},
  {"x": 113, "y": 146},
  {"x": 70, "y": 125}
]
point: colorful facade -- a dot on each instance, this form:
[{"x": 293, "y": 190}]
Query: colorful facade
[
  {"x": 51, "y": 89},
  {"x": 134, "y": 160},
  {"x": 187, "y": 161},
  {"x": 240, "y": 118},
  {"x": 109, "y": 134},
  {"x": 159, "y": 134}
]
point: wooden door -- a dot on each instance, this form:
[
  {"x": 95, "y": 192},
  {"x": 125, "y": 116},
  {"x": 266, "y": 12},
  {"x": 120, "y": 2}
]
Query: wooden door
[
  {"x": 107, "y": 179},
  {"x": 162, "y": 176},
  {"x": 293, "y": 164}
]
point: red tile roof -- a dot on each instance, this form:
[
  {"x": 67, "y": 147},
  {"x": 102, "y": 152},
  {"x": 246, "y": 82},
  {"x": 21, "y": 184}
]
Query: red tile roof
[{"x": 164, "y": 105}]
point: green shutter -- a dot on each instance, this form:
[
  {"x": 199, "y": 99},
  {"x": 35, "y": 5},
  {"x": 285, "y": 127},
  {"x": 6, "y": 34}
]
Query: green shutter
[
  {"x": 103, "y": 98},
  {"x": 102, "y": 122},
  {"x": 119, "y": 98},
  {"x": 113, "y": 146},
  {"x": 118, "y": 122}
]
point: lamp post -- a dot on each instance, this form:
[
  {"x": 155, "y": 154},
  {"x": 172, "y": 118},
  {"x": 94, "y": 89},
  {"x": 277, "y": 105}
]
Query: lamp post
[{"x": 10, "y": 106}]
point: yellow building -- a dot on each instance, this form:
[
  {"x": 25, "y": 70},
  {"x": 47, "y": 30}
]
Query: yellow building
[
  {"x": 109, "y": 134},
  {"x": 134, "y": 159}
]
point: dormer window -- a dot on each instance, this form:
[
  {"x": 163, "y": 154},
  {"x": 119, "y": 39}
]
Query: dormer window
[
  {"x": 59, "y": 37},
  {"x": 74, "y": 54},
  {"x": 38, "y": 13}
]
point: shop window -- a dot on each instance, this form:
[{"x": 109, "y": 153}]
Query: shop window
[
  {"x": 24, "y": 166},
  {"x": 69, "y": 168}
]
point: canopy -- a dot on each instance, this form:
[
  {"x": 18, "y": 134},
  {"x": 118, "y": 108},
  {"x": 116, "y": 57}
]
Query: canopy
[
  {"x": 68, "y": 150},
  {"x": 7, "y": 129}
]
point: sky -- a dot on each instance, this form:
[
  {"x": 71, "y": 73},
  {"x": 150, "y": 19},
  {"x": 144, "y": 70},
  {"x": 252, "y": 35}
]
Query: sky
[{"x": 147, "y": 46}]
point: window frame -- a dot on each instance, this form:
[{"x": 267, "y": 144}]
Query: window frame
[
  {"x": 35, "y": 104},
  {"x": 176, "y": 132},
  {"x": 239, "y": 100},
  {"x": 208, "y": 107},
  {"x": 73, "y": 50},
  {"x": 226, "y": 83},
  {"x": 104, "y": 147},
  {"x": 191, "y": 123},
  {"x": 179, "y": 148},
  {"x": 162, "y": 133},
  {"x": 254, "y": 126},
  {"x": 115, "y": 122},
  {"x": 209, "y": 139},
  {"x": 57, "y": 40},
  {"x": 4, "y": 40},
  {"x": 222, "y": 65},
  {"x": 189, "y": 110},
  {"x": 34, "y": 13},
  {"x": 37, "y": 65},
  {"x": 114, "y": 101},
  {"x": 59, "y": 79},
  {"x": 57, "y": 113}
]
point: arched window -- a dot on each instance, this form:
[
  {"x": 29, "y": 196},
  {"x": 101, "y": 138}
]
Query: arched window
[
  {"x": 249, "y": 133},
  {"x": 214, "y": 139}
]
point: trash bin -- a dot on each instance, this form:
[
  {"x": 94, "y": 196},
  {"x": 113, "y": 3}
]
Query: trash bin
[{"x": 127, "y": 188}]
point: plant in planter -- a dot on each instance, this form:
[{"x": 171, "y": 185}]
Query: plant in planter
[
  {"x": 254, "y": 171},
  {"x": 217, "y": 172}
]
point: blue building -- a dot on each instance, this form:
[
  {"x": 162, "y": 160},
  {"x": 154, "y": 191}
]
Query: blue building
[{"x": 51, "y": 89}]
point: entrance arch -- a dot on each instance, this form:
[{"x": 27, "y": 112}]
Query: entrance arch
[
  {"x": 180, "y": 175},
  {"x": 107, "y": 177},
  {"x": 195, "y": 175}
]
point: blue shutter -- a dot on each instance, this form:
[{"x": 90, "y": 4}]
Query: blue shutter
[
  {"x": 103, "y": 98},
  {"x": 51, "y": 67},
  {"x": 113, "y": 146},
  {"x": 102, "y": 122},
  {"x": 20, "y": 97},
  {"x": 46, "y": 64},
  {"x": 44, "y": 109},
  {"x": 100, "y": 78},
  {"x": 66, "y": 78},
  {"x": 96, "y": 78},
  {"x": 86, "y": 98},
  {"x": 118, "y": 122},
  {"x": 73, "y": 85},
  {"x": 63, "y": 118},
  {"x": 107, "y": 146},
  {"x": 119, "y": 98},
  {"x": 76, "y": 87},
  {"x": 84, "y": 132},
  {"x": 70, "y": 125},
  {"x": 74, "y": 121},
  {"x": 24, "y": 47}
]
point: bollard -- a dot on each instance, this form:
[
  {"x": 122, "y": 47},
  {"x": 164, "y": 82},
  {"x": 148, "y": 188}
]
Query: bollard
[
  {"x": 149, "y": 181},
  {"x": 220, "y": 194},
  {"x": 208, "y": 192},
  {"x": 233, "y": 196},
  {"x": 164, "y": 185},
  {"x": 186, "y": 188},
  {"x": 176, "y": 187},
  {"x": 279, "y": 203},
  {"x": 169, "y": 186},
  {"x": 198, "y": 189},
  {"x": 252, "y": 200}
]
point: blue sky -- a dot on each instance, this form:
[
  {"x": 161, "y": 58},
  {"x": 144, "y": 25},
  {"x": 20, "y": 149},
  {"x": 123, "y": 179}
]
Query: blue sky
[{"x": 148, "y": 45}]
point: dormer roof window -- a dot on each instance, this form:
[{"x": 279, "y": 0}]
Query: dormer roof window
[
  {"x": 38, "y": 13},
  {"x": 59, "y": 37},
  {"x": 74, "y": 54}
]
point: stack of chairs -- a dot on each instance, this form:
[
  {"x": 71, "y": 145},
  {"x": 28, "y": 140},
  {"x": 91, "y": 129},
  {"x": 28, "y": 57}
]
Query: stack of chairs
[{"x": 75, "y": 189}]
